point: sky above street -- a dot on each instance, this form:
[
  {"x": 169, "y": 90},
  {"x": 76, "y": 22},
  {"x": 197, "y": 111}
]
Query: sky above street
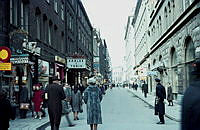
[{"x": 110, "y": 17}]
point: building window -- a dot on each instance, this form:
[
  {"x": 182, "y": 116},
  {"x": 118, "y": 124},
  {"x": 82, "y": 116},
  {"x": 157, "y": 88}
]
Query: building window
[
  {"x": 62, "y": 44},
  {"x": 49, "y": 34},
  {"x": 70, "y": 22},
  {"x": 15, "y": 13},
  {"x": 79, "y": 34},
  {"x": 26, "y": 17},
  {"x": 62, "y": 11},
  {"x": 11, "y": 11},
  {"x": 22, "y": 16},
  {"x": 45, "y": 31},
  {"x": 56, "y": 6},
  {"x": 38, "y": 25},
  {"x": 160, "y": 24},
  {"x": 165, "y": 13}
]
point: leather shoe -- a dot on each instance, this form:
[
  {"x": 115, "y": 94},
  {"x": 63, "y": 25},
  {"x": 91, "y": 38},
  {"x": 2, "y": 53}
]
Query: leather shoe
[{"x": 71, "y": 125}]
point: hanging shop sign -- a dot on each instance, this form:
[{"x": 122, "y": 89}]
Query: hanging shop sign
[
  {"x": 5, "y": 54},
  {"x": 19, "y": 59},
  {"x": 5, "y": 67},
  {"x": 76, "y": 63},
  {"x": 59, "y": 59}
]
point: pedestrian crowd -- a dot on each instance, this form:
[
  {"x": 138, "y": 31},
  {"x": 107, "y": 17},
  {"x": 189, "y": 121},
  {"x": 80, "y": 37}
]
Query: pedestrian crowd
[{"x": 62, "y": 98}]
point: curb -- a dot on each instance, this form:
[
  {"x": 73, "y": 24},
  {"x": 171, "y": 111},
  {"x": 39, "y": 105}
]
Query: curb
[
  {"x": 42, "y": 127},
  {"x": 166, "y": 115}
]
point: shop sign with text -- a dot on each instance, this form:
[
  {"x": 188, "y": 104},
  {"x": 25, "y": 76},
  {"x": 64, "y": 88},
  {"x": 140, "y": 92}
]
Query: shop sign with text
[
  {"x": 76, "y": 63},
  {"x": 19, "y": 59}
]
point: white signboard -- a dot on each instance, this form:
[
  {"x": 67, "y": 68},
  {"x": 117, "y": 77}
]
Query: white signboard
[
  {"x": 76, "y": 63},
  {"x": 19, "y": 60}
]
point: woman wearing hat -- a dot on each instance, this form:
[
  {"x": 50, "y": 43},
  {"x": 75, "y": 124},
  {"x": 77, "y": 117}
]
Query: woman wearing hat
[
  {"x": 92, "y": 98},
  {"x": 37, "y": 100}
]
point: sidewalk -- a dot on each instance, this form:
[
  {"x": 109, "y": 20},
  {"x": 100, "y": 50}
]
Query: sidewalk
[
  {"x": 172, "y": 112},
  {"x": 29, "y": 123}
]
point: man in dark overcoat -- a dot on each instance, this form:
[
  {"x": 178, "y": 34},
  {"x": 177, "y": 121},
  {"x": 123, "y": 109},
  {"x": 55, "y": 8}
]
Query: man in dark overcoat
[
  {"x": 190, "y": 116},
  {"x": 55, "y": 95},
  {"x": 6, "y": 111},
  {"x": 160, "y": 95},
  {"x": 23, "y": 98},
  {"x": 145, "y": 89}
]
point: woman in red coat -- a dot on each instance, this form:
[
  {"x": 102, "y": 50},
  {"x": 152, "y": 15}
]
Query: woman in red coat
[{"x": 37, "y": 100}]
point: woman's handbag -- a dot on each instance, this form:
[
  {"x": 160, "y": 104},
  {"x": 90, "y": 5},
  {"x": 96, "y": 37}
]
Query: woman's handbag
[
  {"x": 65, "y": 107},
  {"x": 24, "y": 106}
]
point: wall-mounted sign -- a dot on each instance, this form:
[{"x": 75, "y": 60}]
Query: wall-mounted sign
[
  {"x": 60, "y": 59},
  {"x": 5, "y": 66},
  {"x": 19, "y": 59},
  {"x": 5, "y": 54},
  {"x": 76, "y": 63},
  {"x": 43, "y": 68}
]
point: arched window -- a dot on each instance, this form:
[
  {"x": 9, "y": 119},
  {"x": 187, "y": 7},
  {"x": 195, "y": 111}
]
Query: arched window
[
  {"x": 38, "y": 22},
  {"x": 160, "y": 24},
  {"x": 154, "y": 62},
  {"x": 173, "y": 56},
  {"x": 169, "y": 9},
  {"x": 190, "y": 50},
  {"x": 189, "y": 59},
  {"x": 166, "y": 19},
  {"x": 174, "y": 71},
  {"x": 160, "y": 57}
]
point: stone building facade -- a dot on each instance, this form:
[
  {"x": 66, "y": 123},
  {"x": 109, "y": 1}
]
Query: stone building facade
[
  {"x": 129, "y": 49},
  {"x": 172, "y": 42}
]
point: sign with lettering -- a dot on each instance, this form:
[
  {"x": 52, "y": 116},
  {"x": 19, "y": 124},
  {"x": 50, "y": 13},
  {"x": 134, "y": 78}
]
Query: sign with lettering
[
  {"x": 76, "y": 63},
  {"x": 19, "y": 59},
  {"x": 5, "y": 66},
  {"x": 60, "y": 59}
]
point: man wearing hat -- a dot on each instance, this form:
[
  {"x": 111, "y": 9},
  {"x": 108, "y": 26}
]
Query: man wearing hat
[
  {"x": 190, "y": 117},
  {"x": 55, "y": 95},
  {"x": 160, "y": 106}
]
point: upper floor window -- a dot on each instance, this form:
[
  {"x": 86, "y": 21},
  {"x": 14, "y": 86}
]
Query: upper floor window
[
  {"x": 62, "y": 11},
  {"x": 70, "y": 22},
  {"x": 38, "y": 24},
  {"x": 56, "y": 6},
  {"x": 13, "y": 12}
]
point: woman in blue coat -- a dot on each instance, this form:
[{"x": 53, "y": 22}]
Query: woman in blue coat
[{"x": 92, "y": 98}]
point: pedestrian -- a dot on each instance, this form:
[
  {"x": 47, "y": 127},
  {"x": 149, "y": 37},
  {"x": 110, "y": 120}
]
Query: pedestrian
[
  {"x": 133, "y": 86},
  {"x": 191, "y": 101},
  {"x": 160, "y": 96},
  {"x": 81, "y": 88},
  {"x": 92, "y": 98},
  {"x": 145, "y": 89},
  {"x": 44, "y": 104},
  {"x": 102, "y": 89},
  {"x": 6, "y": 111},
  {"x": 170, "y": 95},
  {"x": 76, "y": 102},
  {"x": 24, "y": 102},
  {"x": 54, "y": 95},
  {"x": 136, "y": 86},
  {"x": 37, "y": 100},
  {"x": 65, "y": 104}
]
